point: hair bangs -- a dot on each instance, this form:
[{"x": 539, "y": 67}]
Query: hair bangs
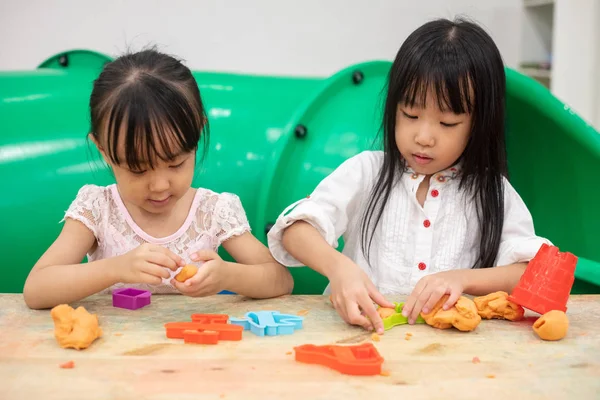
[
  {"x": 150, "y": 121},
  {"x": 446, "y": 78}
]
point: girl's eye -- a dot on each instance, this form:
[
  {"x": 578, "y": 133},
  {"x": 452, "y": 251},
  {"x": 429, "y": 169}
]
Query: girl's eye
[
  {"x": 409, "y": 116},
  {"x": 141, "y": 172},
  {"x": 449, "y": 125},
  {"x": 178, "y": 165}
]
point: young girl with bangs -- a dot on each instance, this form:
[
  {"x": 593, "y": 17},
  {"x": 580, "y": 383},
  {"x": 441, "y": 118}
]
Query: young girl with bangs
[
  {"x": 147, "y": 120},
  {"x": 433, "y": 214}
]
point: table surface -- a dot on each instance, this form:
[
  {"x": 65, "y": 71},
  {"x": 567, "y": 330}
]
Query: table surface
[{"x": 135, "y": 360}]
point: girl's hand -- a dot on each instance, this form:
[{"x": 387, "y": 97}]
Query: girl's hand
[
  {"x": 210, "y": 278},
  {"x": 352, "y": 292},
  {"x": 147, "y": 263},
  {"x": 429, "y": 290}
]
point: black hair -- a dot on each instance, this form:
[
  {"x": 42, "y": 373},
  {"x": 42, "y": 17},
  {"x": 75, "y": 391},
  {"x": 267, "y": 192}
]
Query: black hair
[
  {"x": 153, "y": 100},
  {"x": 458, "y": 62}
]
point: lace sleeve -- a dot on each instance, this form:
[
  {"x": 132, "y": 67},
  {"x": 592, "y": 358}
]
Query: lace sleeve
[
  {"x": 86, "y": 207},
  {"x": 229, "y": 218}
]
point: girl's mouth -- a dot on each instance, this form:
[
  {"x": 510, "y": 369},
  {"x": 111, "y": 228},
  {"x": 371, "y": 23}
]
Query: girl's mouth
[
  {"x": 422, "y": 159},
  {"x": 160, "y": 202}
]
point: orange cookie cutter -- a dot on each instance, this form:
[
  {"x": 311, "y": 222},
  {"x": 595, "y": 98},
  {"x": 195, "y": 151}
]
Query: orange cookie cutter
[
  {"x": 204, "y": 329},
  {"x": 360, "y": 359}
]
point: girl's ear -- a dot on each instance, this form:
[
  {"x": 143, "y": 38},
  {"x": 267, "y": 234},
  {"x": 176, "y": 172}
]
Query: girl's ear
[{"x": 92, "y": 137}]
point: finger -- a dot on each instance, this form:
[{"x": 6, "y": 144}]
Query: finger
[
  {"x": 418, "y": 306},
  {"x": 155, "y": 270},
  {"x": 356, "y": 318},
  {"x": 339, "y": 307},
  {"x": 412, "y": 299},
  {"x": 378, "y": 298},
  {"x": 433, "y": 299},
  {"x": 369, "y": 309},
  {"x": 163, "y": 250},
  {"x": 182, "y": 287},
  {"x": 163, "y": 260},
  {"x": 150, "y": 279},
  {"x": 452, "y": 299},
  {"x": 204, "y": 255},
  {"x": 198, "y": 278}
]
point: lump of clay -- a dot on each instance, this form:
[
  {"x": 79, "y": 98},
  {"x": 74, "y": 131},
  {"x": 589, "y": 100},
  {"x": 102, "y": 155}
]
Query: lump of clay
[
  {"x": 552, "y": 326},
  {"x": 497, "y": 305},
  {"x": 385, "y": 312},
  {"x": 186, "y": 273},
  {"x": 463, "y": 316},
  {"x": 74, "y": 328}
]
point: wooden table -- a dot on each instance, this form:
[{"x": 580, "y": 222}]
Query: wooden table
[{"x": 135, "y": 360}]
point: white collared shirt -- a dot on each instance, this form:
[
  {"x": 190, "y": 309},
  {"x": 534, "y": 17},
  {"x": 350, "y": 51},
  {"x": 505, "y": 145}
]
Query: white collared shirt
[{"x": 410, "y": 241}]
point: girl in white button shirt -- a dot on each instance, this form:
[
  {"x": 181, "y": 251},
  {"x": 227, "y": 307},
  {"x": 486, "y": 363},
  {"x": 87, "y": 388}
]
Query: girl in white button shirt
[{"x": 433, "y": 212}]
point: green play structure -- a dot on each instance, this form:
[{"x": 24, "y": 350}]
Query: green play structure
[{"x": 272, "y": 140}]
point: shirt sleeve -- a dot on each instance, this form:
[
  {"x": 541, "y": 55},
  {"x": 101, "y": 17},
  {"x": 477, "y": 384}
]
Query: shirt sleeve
[
  {"x": 332, "y": 204},
  {"x": 229, "y": 217},
  {"x": 87, "y": 206},
  {"x": 518, "y": 243}
]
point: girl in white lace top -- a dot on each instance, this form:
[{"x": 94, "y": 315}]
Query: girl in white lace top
[
  {"x": 431, "y": 213},
  {"x": 147, "y": 121}
]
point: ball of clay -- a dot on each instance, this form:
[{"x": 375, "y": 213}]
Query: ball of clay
[
  {"x": 496, "y": 305},
  {"x": 552, "y": 326},
  {"x": 385, "y": 312},
  {"x": 463, "y": 315},
  {"x": 186, "y": 273}
]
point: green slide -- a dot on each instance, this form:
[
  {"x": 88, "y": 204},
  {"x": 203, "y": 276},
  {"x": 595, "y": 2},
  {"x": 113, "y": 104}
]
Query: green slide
[{"x": 272, "y": 140}]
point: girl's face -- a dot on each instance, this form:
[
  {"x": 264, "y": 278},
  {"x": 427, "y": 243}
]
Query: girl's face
[
  {"x": 154, "y": 190},
  {"x": 157, "y": 190},
  {"x": 430, "y": 139}
]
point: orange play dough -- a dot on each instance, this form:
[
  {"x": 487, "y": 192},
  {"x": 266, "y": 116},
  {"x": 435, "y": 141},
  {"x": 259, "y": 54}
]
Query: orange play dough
[
  {"x": 497, "y": 305},
  {"x": 186, "y": 273},
  {"x": 74, "y": 328},
  {"x": 463, "y": 316},
  {"x": 385, "y": 312},
  {"x": 552, "y": 326}
]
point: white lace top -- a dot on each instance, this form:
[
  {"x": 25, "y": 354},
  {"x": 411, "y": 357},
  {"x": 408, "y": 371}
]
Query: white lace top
[
  {"x": 212, "y": 219},
  {"x": 410, "y": 241}
]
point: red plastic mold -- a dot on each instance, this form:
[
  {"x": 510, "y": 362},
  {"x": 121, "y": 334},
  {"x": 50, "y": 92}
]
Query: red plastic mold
[
  {"x": 547, "y": 281},
  {"x": 361, "y": 359},
  {"x": 210, "y": 318},
  {"x": 204, "y": 329}
]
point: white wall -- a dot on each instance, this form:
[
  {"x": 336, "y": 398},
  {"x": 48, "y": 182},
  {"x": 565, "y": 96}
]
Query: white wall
[
  {"x": 576, "y": 67},
  {"x": 306, "y": 37}
]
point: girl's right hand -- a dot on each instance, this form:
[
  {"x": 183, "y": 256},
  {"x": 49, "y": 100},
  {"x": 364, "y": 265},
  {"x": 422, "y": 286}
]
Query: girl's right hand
[
  {"x": 147, "y": 263},
  {"x": 352, "y": 292}
]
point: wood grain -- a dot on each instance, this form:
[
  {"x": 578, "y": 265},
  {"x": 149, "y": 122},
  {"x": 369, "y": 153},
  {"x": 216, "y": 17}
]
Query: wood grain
[{"x": 135, "y": 360}]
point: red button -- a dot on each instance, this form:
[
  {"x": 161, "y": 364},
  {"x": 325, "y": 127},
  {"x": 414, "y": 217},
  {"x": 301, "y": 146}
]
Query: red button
[
  {"x": 422, "y": 266},
  {"x": 426, "y": 223},
  {"x": 435, "y": 193}
]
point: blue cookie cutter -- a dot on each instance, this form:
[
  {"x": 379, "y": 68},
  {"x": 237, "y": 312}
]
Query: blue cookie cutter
[{"x": 269, "y": 323}]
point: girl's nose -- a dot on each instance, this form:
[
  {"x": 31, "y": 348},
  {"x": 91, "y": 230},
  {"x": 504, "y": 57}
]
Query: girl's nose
[
  {"x": 159, "y": 184},
  {"x": 424, "y": 136}
]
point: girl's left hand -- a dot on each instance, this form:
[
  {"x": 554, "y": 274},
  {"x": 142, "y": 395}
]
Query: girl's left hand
[
  {"x": 210, "y": 278},
  {"x": 429, "y": 290}
]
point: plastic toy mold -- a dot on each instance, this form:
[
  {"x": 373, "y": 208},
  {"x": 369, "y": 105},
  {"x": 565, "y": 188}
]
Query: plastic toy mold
[
  {"x": 399, "y": 319},
  {"x": 204, "y": 329},
  {"x": 361, "y": 359},
  {"x": 269, "y": 323},
  {"x": 547, "y": 281},
  {"x": 131, "y": 298}
]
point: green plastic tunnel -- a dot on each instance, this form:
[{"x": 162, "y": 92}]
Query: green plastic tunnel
[{"x": 272, "y": 140}]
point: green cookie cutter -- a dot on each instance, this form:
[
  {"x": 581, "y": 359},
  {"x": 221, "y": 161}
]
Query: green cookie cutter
[{"x": 399, "y": 319}]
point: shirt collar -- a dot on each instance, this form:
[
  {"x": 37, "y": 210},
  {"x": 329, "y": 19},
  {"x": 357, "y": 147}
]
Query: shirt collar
[{"x": 451, "y": 172}]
